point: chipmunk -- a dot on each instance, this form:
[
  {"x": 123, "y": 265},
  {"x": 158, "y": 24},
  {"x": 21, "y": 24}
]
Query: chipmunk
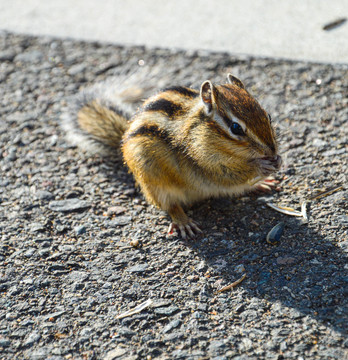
[{"x": 185, "y": 145}]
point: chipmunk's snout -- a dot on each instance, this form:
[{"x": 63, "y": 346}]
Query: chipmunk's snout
[
  {"x": 270, "y": 150},
  {"x": 268, "y": 164},
  {"x": 275, "y": 161},
  {"x": 273, "y": 149}
]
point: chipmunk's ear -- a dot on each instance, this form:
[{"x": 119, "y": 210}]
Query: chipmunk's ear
[
  {"x": 207, "y": 89},
  {"x": 235, "y": 81}
]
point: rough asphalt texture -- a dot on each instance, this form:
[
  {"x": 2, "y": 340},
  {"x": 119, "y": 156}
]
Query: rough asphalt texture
[{"x": 70, "y": 223}]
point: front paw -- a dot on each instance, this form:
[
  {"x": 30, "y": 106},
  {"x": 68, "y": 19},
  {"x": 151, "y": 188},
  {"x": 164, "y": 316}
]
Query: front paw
[{"x": 266, "y": 185}]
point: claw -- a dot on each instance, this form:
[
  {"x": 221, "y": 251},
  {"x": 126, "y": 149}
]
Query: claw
[
  {"x": 266, "y": 185},
  {"x": 196, "y": 228},
  {"x": 263, "y": 187},
  {"x": 189, "y": 230},
  {"x": 171, "y": 229},
  {"x": 182, "y": 231}
]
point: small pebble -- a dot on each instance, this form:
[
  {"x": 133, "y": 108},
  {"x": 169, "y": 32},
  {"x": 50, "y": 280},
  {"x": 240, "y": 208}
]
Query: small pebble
[
  {"x": 77, "y": 69},
  {"x": 4, "y": 343},
  {"x": 135, "y": 243},
  {"x": 120, "y": 221},
  {"x": 117, "y": 210},
  {"x": 33, "y": 56},
  {"x": 11, "y": 316},
  {"x": 168, "y": 311},
  {"x": 44, "y": 195},
  {"x": 285, "y": 260},
  {"x": 79, "y": 230},
  {"x": 7, "y": 55},
  {"x": 69, "y": 205},
  {"x": 138, "y": 268},
  {"x": 172, "y": 325},
  {"x": 239, "y": 268}
]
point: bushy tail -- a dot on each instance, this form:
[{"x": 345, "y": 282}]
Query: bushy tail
[
  {"x": 96, "y": 120},
  {"x": 99, "y": 116},
  {"x": 102, "y": 123}
]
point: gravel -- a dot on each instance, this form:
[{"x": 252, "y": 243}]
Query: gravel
[
  {"x": 68, "y": 205},
  {"x": 79, "y": 246}
]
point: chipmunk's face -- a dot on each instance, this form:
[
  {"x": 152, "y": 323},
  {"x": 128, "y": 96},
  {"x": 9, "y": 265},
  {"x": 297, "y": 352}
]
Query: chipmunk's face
[{"x": 247, "y": 125}]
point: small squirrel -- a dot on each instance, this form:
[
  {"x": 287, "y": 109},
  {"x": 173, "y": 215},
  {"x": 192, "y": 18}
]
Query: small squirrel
[{"x": 185, "y": 145}]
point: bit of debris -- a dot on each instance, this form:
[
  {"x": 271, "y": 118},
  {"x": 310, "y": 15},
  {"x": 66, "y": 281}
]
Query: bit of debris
[
  {"x": 136, "y": 310},
  {"x": 304, "y": 210},
  {"x": 275, "y": 234},
  {"x": 334, "y": 24},
  {"x": 326, "y": 193},
  {"x": 303, "y": 213},
  {"x": 234, "y": 284},
  {"x": 285, "y": 210}
]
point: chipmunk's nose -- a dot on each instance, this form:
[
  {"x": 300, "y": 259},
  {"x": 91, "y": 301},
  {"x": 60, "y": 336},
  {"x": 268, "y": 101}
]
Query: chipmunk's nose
[
  {"x": 276, "y": 161},
  {"x": 273, "y": 149}
]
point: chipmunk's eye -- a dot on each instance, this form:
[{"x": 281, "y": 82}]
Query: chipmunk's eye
[
  {"x": 237, "y": 129},
  {"x": 270, "y": 119}
]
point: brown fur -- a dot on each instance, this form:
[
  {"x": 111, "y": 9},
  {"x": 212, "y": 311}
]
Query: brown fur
[
  {"x": 246, "y": 108},
  {"x": 102, "y": 123},
  {"x": 175, "y": 149}
]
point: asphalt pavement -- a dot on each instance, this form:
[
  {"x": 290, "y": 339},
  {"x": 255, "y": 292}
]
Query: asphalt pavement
[{"x": 79, "y": 245}]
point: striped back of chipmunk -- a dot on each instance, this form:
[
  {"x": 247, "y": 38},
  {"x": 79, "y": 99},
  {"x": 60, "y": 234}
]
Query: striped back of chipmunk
[
  {"x": 160, "y": 112},
  {"x": 172, "y": 102}
]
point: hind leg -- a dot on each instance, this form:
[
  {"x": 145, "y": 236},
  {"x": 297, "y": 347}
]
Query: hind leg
[
  {"x": 168, "y": 199},
  {"x": 180, "y": 221},
  {"x": 156, "y": 169}
]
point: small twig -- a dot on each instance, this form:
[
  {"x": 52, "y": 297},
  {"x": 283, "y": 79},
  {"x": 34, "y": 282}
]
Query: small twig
[
  {"x": 326, "y": 193},
  {"x": 334, "y": 24},
  {"x": 135, "y": 310},
  {"x": 228, "y": 287}
]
